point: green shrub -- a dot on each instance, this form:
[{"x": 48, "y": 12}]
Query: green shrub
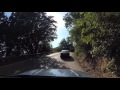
[{"x": 113, "y": 68}]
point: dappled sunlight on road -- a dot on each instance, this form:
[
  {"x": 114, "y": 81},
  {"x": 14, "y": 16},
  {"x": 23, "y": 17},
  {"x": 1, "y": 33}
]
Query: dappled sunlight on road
[
  {"x": 43, "y": 62},
  {"x": 69, "y": 62},
  {"x": 52, "y": 61}
]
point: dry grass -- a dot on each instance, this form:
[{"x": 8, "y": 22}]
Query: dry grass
[{"x": 96, "y": 68}]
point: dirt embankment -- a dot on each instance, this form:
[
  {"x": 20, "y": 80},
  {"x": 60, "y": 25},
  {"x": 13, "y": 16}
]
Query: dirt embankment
[{"x": 95, "y": 66}]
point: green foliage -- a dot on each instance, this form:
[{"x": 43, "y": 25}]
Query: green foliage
[
  {"x": 113, "y": 68},
  {"x": 81, "y": 26},
  {"x": 66, "y": 44},
  {"x": 31, "y": 32},
  {"x": 63, "y": 44},
  {"x": 57, "y": 49},
  {"x": 96, "y": 33}
]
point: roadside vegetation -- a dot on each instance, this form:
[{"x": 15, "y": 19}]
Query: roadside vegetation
[
  {"x": 26, "y": 33},
  {"x": 96, "y": 37},
  {"x": 64, "y": 44}
]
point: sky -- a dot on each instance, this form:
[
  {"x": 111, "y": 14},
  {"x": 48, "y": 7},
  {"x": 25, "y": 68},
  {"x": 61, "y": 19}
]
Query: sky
[{"x": 61, "y": 32}]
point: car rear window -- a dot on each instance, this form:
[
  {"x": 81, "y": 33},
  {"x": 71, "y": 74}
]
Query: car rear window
[{"x": 65, "y": 51}]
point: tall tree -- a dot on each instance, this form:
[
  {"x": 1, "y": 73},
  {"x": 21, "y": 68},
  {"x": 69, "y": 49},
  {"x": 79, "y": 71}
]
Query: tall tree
[
  {"x": 24, "y": 31},
  {"x": 3, "y": 33},
  {"x": 63, "y": 44},
  {"x": 66, "y": 44},
  {"x": 76, "y": 23},
  {"x": 30, "y": 28},
  {"x": 97, "y": 32}
]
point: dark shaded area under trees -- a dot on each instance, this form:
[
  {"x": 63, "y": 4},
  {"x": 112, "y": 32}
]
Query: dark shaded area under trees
[{"x": 26, "y": 33}]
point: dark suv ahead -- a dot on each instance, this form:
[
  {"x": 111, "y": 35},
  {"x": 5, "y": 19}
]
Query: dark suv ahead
[{"x": 64, "y": 53}]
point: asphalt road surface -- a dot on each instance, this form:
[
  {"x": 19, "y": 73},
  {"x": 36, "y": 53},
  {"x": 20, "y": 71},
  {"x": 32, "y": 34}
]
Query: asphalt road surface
[
  {"x": 41, "y": 62},
  {"x": 68, "y": 62}
]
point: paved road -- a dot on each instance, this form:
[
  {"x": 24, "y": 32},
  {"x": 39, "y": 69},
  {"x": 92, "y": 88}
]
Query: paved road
[
  {"x": 42, "y": 62},
  {"x": 67, "y": 62}
]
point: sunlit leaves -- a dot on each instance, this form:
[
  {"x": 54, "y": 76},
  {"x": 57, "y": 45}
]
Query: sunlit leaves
[
  {"x": 98, "y": 29},
  {"x": 24, "y": 31}
]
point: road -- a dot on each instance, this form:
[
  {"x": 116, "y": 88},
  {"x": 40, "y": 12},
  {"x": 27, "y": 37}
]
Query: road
[
  {"x": 68, "y": 62},
  {"x": 42, "y": 62}
]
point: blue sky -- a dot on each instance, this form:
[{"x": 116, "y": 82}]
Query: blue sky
[{"x": 61, "y": 30}]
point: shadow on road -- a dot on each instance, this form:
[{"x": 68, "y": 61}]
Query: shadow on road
[
  {"x": 67, "y": 58},
  {"x": 43, "y": 62}
]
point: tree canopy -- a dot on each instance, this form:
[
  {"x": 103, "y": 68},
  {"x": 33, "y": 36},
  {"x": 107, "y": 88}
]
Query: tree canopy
[
  {"x": 65, "y": 44},
  {"x": 97, "y": 33},
  {"x": 29, "y": 32}
]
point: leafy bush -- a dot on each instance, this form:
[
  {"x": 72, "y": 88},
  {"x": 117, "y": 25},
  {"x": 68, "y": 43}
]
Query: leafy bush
[
  {"x": 97, "y": 34},
  {"x": 113, "y": 67}
]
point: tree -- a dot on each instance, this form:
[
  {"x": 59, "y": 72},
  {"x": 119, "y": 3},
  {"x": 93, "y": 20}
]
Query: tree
[
  {"x": 96, "y": 32},
  {"x": 63, "y": 44},
  {"x": 27, "y": 31},
  {"x": 66, "y": 44},
  {"x": 77, "y": 24},
  {"x": 110, "y": 33},
  {"x": 70, "y": 44},
  {"x": 56, "y": 49},
  {"x": 32, "y": 27},
  {"x": 3, "y": 33}
]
